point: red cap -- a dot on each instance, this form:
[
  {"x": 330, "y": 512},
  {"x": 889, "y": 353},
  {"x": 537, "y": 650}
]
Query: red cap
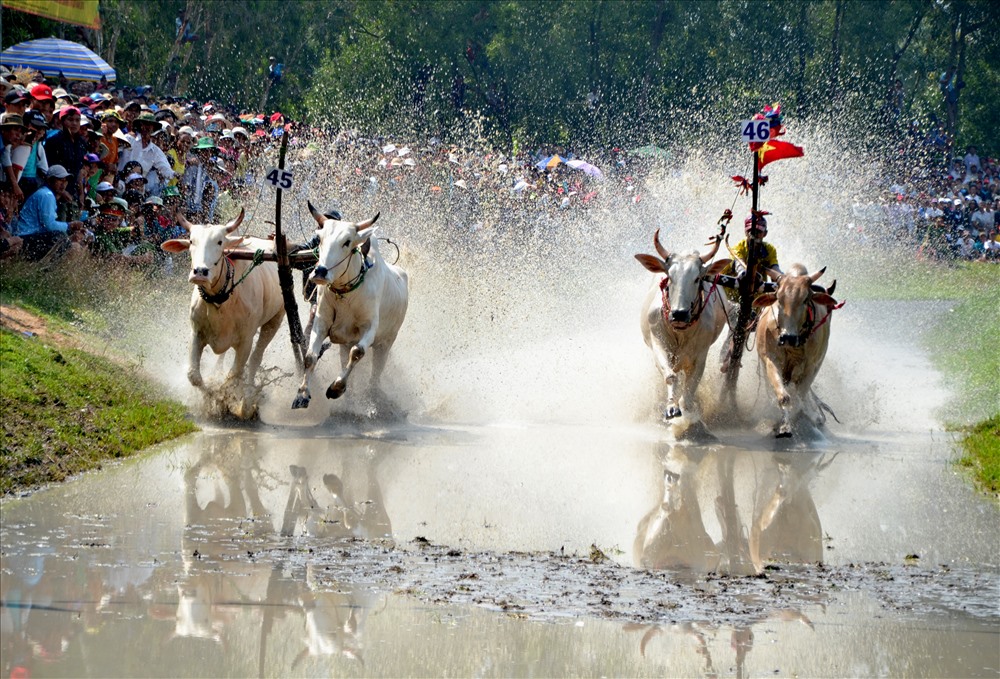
[
  {"x": 761, "y": 224},
  {"x": 41, "y": 91}
]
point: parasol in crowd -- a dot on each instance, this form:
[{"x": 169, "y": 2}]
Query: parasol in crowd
[
  {"x": 53, "y": 56},
  {"x": 586, "y": 168}
]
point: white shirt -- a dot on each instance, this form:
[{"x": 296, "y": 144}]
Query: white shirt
[{"x": 155, "y": 165}]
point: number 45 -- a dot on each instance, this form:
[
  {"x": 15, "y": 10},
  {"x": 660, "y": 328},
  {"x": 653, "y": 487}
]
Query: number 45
[{"x": 281, "y": 179}]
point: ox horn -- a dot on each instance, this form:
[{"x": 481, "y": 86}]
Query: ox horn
[
  {"x": 708, "y": 257},
  {"x": 185, "y": 224},
  {"x": 815, "y": 276},
  {"x": 733, "y": 254},
  {"x": 320, "y": 219},
  {"x": 368, "y": 222},
  {"x": 660, "y": 250},
  {"x": 235, "y": 224}
]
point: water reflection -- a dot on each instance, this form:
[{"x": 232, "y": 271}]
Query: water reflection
[
  {"x": 764, "y": 514},
  {"x": 198, "y": 598}
]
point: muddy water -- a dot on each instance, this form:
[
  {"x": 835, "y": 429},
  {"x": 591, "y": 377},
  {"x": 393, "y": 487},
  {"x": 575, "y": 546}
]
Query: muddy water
[
  {"x": 421, "y": 546},
  {"x": 517, "y": 509}
]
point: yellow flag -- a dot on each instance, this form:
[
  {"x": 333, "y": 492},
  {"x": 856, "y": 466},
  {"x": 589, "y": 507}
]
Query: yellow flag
[{"x": 79, "y": 12}]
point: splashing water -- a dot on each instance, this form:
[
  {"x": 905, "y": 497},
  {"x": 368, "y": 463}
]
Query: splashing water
[{"x": 521, "y": 313}]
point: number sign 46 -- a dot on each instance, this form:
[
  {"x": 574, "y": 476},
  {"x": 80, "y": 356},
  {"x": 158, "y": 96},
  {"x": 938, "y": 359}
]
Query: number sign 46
[
  {"x": 755, "y": 130},
  {"x": 279, "y": 179}
]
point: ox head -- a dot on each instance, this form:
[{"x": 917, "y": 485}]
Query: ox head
[
  {"x": 207, "y": 243},
  {"x": 793, "y": 302},
  {"x": 337, "y": 241},
  {"x": 684, "y": 274}
]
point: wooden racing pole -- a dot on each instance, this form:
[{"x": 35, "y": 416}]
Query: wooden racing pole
[
  {"x": 747, "y": 286},
  {"x": 285, "y": 270}
]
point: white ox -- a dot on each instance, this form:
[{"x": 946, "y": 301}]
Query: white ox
[
  {"x": 360, "y": 305},
  {"x": 681, "y": 319},
  {"x": 792, "y": 337},
  {"x": 228, "y": 309}
]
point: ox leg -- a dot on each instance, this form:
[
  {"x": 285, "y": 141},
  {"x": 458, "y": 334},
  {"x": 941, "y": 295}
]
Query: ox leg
[
  {"x": 690, "y": 387},
  {"x": 242, "y": 351},
  {"x": 267, "y": 333},
  {"x": 357, "y": 352},
  {"x": 780, "y": 387},
  {"x": 320, "y": 327},
  {"x": 670, "y": 379},
  {"x": 194, "y": 369}
]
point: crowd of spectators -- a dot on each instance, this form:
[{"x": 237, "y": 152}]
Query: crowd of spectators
[
  {"x": 946, "y": 212},
  {"x": 107, "y": 172}
]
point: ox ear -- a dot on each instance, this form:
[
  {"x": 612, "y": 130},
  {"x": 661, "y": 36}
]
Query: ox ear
[
  {"x": 234, "y": 241},
  {"x": 235, "y": 224},
  {"x": 718, "y": 267},
  {"x": 824, "y": 299},
  {"x": 364, "y": 235},
  {"x": 767, "y": 299},
  {"x": 175, "y": 245},
  {"x": 320, "y": 219},
  {"x": 652, "y": 263}
]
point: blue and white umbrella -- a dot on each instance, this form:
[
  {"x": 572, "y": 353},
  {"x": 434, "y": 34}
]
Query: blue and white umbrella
[{"x": 52, "y": 56}]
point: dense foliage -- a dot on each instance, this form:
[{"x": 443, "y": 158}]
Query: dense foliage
[{"x": 564, "y": 71}]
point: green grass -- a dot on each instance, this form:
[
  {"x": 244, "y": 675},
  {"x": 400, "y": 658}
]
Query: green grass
[
  {"x": 66, "y": 411},
  {"x": 982, "y": 454},
  {"x": 965, "y": 346}
]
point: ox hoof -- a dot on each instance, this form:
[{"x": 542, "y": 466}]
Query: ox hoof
[
  {"x": 301, "y": 401},
  {"x": 783, "y": 431},
  {"x": 337, "y": 389},
  {"x": 671, "y": 413}
]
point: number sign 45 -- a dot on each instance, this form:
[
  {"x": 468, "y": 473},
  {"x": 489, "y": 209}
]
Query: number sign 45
[
  {"x": 755, "y": 130},
  {"x": 279, "y": 179}
]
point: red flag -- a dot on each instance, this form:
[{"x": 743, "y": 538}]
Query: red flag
[{"x": 777, "y": 150}]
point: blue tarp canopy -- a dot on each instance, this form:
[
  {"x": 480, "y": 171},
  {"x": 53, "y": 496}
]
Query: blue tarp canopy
[{"x": 52, "y": 56}]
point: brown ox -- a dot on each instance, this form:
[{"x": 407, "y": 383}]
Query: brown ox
[
  {"x": 680, "y": 320},
  {"x": 792, "y": 336}
]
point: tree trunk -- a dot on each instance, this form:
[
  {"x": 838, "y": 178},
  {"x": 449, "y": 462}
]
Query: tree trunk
[
  {"x": 656, "y": 39},
  {"x": 838, "y": 20}
]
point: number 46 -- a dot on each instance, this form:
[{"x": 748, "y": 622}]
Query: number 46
[{"x": 756, "y": 130}]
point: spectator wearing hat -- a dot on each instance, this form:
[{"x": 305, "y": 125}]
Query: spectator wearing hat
[
  {"x": 130, "y": 112},
  {"x": 37, "y": 225},
  {"x": 111, "y": 122},
  {"x": 16, "y": 101},
  {"x": 42, "y": 101},
  {"x": 199, "y": 184},
  {"x": 177, "y": 154},
  {"x": 155, "y": 166},
  {"x": 12, "y": 131},
  {"x": 90, "y": 177},
  {"x": 68, "y": 147},
  {"x": 105, "y": 192},
  {"x": 37, "y": 164},
  {"x": 135, "y": 189}
]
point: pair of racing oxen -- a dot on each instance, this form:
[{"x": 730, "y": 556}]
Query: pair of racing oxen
[{"x": 362, "y": 299}]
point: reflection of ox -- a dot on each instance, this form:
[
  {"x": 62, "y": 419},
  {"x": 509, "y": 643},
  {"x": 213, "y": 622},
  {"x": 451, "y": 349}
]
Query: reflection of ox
[
  {"x": 231, "y": 300},
  {"x": 792, "y": 336},
  {"x": 680, "y": 321},
  {"x": 361, "y": 301}
]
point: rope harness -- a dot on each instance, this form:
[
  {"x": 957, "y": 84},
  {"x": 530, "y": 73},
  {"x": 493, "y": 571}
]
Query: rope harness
[
  {"x": 810, "y": 327},
  {"x": 355, "y": 282},
  {"x": 228, "y": 286},
  {"x": 697, "y": 306}
]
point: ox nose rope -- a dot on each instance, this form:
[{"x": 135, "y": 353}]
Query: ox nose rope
[{"x": 228, "y": 286}]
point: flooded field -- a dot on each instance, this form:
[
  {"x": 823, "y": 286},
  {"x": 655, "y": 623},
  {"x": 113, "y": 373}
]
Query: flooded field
[{"x": 512, "y": 547}]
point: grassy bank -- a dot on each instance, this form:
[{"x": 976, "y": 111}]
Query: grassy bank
[
  {"x": 64, "y": 408},
  {"x": 964, "y": 346},
  {"x": 66, "y": 411}
]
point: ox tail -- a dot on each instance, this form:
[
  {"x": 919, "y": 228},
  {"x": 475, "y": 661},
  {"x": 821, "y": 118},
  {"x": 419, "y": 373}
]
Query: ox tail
[{"x": 822, "y": 405}]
